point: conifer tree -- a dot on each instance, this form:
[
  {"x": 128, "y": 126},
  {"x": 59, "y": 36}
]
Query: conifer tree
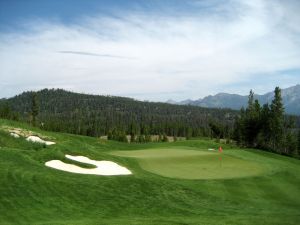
[
  {"x": 5, "y": 111},
  {"x": 159, "y": 138},
  {"x": 239, "y": 127},
  {"x": 299, "y": 141},
  {"x": 251, "y": 121},
  {"x": 148, "y": 138},
  {"x": 141, "y": 138},
  {"x": 34, "y": 108},
  {"x": 277, "y": 120},
  {"x": 264, "y": 135},
  {"x": 165, "y": 138},
  {"x": 110, "y": 135},
  {"x": 132, "y": 138},
  {"x": 250, "y": 101}
]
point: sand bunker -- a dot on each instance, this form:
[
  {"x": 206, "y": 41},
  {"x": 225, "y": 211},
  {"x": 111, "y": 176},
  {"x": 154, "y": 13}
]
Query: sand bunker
[
  {"x": 14, "y": 135},
  {"x": 106, "y": 168},
  {"x": 39, "y": 140},
  {"x": 29, "y": 135}
]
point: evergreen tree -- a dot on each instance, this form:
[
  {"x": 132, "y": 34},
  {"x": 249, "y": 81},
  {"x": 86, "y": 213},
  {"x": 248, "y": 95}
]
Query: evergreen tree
[
  {"x": 299, "y": 141},
  {"x": 290, "y": 144},
  {"x": 34, "y": 108},
  {"x": 141, "y": 138},
  {"x": 165, "y": 138},
  {"x": 238, "y": 134},
  {"x": 250, "y": 101},
  {"x": 264, "y": 134},
  {"x": 148, "y": 138},
  {"x": 159, "y": 138},
  {"x": 250, "y": 122},
  {"x": 122, "y": 137},
  {"x": 217, "y": 129},
  {"x": 277, "y": 120},
  {"x": 188, "y": 133},
  {"x": 5, "y": 111},
  {"x": 132, "y": 138},
  {"x": 110, "y": 135}
]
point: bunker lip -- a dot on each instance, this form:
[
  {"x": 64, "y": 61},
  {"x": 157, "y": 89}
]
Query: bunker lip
[
  {"x": 14, "y": 135},
  {"x": 39, "y": 140},
  {"x": 104, "y": 168},
  {"x": 22, "y": 132}
]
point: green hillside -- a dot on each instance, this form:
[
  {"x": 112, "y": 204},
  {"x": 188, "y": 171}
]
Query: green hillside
[
  {"x": 95, "y": 115},
  {"x": 249, "y": 187}
]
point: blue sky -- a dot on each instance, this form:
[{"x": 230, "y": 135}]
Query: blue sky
[{"x": 149, "y": 49}]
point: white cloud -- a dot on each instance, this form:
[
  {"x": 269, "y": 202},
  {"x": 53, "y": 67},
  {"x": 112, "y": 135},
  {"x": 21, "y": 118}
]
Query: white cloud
[{"x": 158, "y": 57}]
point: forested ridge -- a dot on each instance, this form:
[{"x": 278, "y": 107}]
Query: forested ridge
[
  {"x": 95, "y": 115},
  {"x": 265, "y": 127}
]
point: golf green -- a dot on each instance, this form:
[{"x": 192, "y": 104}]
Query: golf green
[{"x": 193, "y": 164}]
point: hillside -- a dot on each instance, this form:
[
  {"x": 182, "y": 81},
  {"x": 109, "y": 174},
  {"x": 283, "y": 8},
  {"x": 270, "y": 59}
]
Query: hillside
[
  {"x": 290, "y": 97},
  {"x": 95, "y": 115},
  {"x": 171, "y": 183}
]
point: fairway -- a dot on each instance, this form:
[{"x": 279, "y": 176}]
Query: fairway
[{"x": 193, "y": 164}]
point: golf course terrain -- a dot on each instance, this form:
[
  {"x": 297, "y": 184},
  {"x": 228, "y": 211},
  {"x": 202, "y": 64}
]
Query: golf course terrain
[
  {"x": 181, "y": 162},
  {"x": 183, "y": 182}
]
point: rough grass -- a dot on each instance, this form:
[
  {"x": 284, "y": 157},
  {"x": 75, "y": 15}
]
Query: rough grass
[{"x": 31, "y": 193}]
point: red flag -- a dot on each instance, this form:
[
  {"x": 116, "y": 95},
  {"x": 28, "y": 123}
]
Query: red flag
[
  {"x": 220, "y": 149},
  {"x": 220, "y": 157}
]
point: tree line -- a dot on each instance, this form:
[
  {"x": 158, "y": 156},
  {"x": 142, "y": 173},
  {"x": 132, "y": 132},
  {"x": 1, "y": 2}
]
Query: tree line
[{"x": 267, "y": 127}]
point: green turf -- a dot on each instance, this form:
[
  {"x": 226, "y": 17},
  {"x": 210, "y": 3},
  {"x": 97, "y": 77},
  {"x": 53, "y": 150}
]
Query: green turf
[
  {"x": 31, "y": 193},
  {"x": 194, "y": 164},
  {"x": 80, "y": 164}
]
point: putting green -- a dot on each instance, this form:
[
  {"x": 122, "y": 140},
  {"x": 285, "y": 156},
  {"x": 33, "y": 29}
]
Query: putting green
[{"x": 193, "y": 164}]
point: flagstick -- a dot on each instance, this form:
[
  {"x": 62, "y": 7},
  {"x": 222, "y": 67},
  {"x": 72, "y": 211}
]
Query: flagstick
[
  {"x": 221, "y": 160},
  {"x": 220, "y": 157}
]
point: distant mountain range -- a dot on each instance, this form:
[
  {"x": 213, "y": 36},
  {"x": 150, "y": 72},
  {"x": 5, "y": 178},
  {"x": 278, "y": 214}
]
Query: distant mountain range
[{"x": 290, "y": 96}]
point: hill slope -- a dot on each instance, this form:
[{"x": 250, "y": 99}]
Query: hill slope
[{"x": 32, "y": 193}]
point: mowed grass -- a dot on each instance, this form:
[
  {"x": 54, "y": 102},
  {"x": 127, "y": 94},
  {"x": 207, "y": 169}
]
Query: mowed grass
[
  {"x": 194, "y": 164},
  {"x": 31, "y": 193}
]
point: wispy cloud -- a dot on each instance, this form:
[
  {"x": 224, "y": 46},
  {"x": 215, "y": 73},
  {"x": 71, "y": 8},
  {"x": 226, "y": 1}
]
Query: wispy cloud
[
  {"x": 94, "y": 54},
  {"x": 180, "y": 57}
]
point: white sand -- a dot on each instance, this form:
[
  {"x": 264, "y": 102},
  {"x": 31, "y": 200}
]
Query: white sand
[
  {"x": 14, "y": 135},
  {"x": 106, "y": 168},
  {"x": 39, "y": 140}
]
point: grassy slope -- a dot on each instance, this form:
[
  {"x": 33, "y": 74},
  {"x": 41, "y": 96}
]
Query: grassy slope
[{"x": 34, "y": 194}]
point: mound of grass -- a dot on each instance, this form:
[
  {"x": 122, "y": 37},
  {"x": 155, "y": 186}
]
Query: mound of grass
[{"x": 80, "y": 164}]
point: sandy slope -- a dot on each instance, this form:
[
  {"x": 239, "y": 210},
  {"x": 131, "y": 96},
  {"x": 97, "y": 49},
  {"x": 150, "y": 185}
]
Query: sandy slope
[
  {"x": 14, "y": 135},
  {"x": 39, "y": 140}
]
